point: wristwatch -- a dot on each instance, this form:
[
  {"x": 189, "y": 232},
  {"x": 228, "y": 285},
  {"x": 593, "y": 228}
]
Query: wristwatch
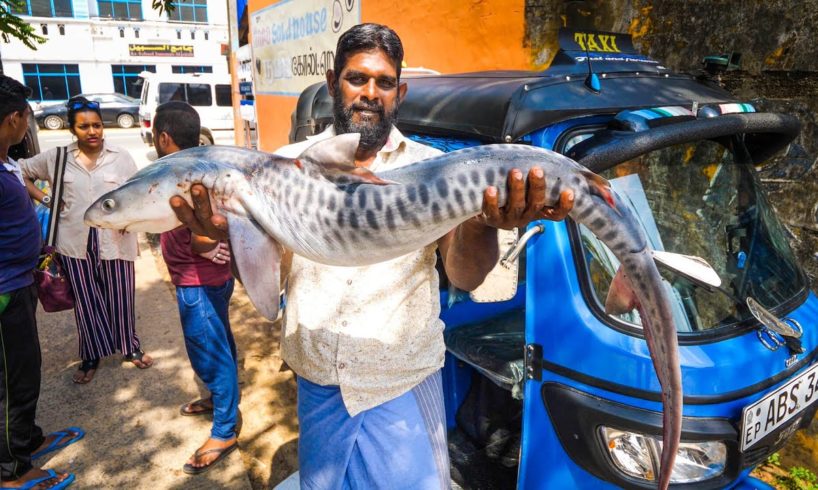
[{"x": 46, "y": 200}]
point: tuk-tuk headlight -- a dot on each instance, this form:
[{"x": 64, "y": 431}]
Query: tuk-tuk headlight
[{"x": 638, "y": 456}]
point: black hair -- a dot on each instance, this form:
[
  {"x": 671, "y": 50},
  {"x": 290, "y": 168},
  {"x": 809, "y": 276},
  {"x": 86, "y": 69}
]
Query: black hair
[
  {"x": 366, "y": 37},
  {"x": 13, "y": 95},
  {"x": 72, "y": 113},
  {"x": 180, "y": 120}
]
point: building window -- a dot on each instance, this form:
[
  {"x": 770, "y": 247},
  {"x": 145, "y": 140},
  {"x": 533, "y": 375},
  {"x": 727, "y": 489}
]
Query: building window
[
  {"x": 136, "y": 32},
  {"x": 191, "y": 69},
  {"x": 44, "y": 8},
  {"x": 178, "y": 34},
  {"x": 44, "y": 28},
  {"x": 192, "y": 11},
  {"x": 121, "y": 32},
  {"x": 206, "y": 36},
  {"x": 52, "y": 82},
  {"x": 120, "y": 9},
  {"x": 126, "y": 78},
  {"x": 61, "y": 27}
]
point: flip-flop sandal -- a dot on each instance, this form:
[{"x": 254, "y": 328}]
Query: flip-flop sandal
[
  {"x": 223, "y": 452},
  {"x": 198, "y": 403},
  {"x": 50, "y": 476},
  {"x": 61, "y": 441},
  {"x": 85, "y": 367},
  {"x": 137, "y": 355}
]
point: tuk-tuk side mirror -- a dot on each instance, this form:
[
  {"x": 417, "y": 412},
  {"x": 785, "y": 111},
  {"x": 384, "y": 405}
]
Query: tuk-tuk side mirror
[{"x": 501, "y": 282}]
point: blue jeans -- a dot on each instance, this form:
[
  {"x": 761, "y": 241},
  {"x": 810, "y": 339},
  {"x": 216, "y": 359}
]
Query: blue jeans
[{"x": 212, "y": 350}]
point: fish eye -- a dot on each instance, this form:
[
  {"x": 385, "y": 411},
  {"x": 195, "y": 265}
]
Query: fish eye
[{"x": 108, "y": 205}]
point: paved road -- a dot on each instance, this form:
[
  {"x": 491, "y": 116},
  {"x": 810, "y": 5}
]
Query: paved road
[{"x": 126, "y": 138}]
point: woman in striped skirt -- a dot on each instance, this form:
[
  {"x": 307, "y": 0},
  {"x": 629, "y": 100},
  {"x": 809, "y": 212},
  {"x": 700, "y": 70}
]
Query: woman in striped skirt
[{"x": 99, "y": 263}]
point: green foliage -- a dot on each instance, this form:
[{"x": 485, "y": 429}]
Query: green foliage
[
  {"x": 13, "y": 26},
  {"x": 774, "y": 459},
  {"x": 798, "y": 478},
  {"x": 163, "y": 6}
]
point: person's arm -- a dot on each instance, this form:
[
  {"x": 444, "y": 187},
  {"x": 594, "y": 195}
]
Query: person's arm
[
  {"x": 37, "y": 168},
  {"x": 470, "y": 251},
  {"x": 35, "y": 192},
  {"x": 208, "y": 228}
]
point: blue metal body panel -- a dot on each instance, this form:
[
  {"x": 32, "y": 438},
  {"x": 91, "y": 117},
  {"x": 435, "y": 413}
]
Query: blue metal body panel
[{"x": 574, "y": 338}]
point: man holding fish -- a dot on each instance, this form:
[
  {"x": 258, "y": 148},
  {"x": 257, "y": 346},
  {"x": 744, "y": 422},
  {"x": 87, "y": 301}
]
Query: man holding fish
[{"x": 366, "y": 341}]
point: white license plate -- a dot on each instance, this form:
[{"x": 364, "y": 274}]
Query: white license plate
[{"x": 779, "y": 407}]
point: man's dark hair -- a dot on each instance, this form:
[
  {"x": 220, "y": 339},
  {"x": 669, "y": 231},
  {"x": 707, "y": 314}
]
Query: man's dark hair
[
  {"x": 13, "y": 95},
  {"x": 79, "y": 104},
  {"x": 180, "y": 120},
  {"x": 366, "y": 37}
]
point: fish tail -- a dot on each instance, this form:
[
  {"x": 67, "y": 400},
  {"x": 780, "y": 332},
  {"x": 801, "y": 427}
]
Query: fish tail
[{"x": 663, "y": 344}]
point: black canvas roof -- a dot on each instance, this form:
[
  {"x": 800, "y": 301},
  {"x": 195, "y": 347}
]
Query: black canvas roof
[{"x": 503, "y": 106}]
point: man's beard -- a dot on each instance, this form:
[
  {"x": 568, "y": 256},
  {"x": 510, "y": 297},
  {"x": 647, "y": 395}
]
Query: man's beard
[{"x": 374, "y": 132}]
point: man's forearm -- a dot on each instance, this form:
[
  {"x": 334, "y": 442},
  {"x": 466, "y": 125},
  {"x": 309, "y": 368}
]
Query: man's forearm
[{"x": 470, "y": 251}]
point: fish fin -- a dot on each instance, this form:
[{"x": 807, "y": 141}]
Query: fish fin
[
  {"x": 258, "y": 260},
  {"x": 600, "y": 186},
  {"x": 335, "y": 157},
  {"x": 352, "y": 175},
  {"x": 621, "y": 296},
  {"x": 339, "y": 150}
]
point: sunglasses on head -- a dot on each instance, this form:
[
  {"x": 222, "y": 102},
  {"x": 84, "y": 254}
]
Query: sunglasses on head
[{"x": 87, "y": 104}]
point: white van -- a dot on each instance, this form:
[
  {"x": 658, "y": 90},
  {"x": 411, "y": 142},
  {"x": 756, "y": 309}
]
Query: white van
[{"x": 209, "y": 94}]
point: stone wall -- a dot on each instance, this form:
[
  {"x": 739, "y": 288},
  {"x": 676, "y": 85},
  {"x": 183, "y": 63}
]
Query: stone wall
[{"x": 778, "y": 72}]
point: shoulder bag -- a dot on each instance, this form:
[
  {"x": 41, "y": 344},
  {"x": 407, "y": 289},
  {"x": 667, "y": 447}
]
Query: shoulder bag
[{"x": 53, "y": 288}]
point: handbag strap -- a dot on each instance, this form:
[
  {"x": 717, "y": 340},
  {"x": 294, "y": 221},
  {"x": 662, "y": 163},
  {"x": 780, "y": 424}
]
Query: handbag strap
[{"x": 56, "y": 195}]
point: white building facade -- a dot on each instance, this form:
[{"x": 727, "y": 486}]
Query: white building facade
[{"x": 101, "y": 46}]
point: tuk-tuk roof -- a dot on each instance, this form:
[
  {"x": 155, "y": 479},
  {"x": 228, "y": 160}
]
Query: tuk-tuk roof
[{"x": 503, "y": 106}]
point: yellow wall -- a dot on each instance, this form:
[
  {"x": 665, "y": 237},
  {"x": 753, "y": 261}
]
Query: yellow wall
[{"x": 449, "y": 36}]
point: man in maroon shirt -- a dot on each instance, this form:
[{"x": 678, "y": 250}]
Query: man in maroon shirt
[{"x": 199, "y": 268}]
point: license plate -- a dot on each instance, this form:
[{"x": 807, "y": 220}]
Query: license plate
[{"x": 779, "y": 407}]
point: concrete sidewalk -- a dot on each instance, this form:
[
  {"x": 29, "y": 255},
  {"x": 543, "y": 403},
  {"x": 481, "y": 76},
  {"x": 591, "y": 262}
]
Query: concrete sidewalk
[{"x": 134, "y": 433}]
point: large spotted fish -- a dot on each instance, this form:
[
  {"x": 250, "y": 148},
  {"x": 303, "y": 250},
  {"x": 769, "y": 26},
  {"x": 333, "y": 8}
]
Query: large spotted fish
[{"x": 323, "y": 208}]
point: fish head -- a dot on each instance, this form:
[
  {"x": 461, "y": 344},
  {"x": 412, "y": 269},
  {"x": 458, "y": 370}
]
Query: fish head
[{"x": 140, "y": 204}]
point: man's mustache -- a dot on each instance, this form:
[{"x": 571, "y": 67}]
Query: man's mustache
[{"x": 372, "y": 107}]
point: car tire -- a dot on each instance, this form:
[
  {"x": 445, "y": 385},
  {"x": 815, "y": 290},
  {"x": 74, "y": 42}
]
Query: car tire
[
  {"x": 53, "y": 122},
  {"x": 205, "y": 139},
  {"x": 125, "y": 121}
]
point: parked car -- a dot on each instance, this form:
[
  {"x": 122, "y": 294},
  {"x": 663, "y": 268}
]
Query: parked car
[
  {"x": 117, "y": 109},
  {"x": 210, "y": 94},
  {"x": 543, "y": 389}
]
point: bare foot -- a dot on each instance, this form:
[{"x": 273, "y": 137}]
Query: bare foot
[
  {"x": 33, "y": 474},
  {"x": 211, "y": 451}
]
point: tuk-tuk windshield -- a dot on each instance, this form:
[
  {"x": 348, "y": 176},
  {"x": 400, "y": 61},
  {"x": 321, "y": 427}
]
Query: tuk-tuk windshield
[{"x": 696, "y": 199}]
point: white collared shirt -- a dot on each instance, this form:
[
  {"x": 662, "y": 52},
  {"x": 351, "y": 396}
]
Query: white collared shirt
[
  {"x": 14, "y": 168},
  {"x": 374, "y": 330},
  {"x": 81, "y": 188}
]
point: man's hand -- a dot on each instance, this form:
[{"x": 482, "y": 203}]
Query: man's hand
[
  {"x": 523, "y": 207},
  {"x": 200, "y": 219},
  {"x": 220, "y": 254}
]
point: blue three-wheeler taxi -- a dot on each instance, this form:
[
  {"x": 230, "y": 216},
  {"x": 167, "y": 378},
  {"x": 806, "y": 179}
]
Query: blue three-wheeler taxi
[{"x": 543, "y": 389}]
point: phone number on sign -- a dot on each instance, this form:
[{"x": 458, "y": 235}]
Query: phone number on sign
[{"x": 312, "y": 64}]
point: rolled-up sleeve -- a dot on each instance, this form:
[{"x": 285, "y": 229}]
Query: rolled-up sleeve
[{"x": 39, "y": 167}]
